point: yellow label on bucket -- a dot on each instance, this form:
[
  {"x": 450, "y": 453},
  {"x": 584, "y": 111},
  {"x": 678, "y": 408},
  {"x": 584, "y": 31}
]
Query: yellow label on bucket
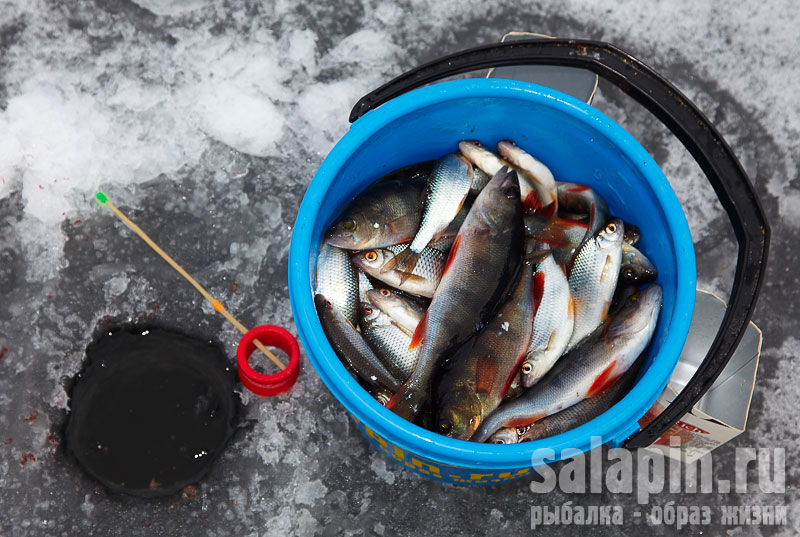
[{"x": 433, "y": 469}]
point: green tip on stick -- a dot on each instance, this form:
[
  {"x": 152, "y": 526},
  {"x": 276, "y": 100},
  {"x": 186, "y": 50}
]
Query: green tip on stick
[{"x": 101, "y": 198}]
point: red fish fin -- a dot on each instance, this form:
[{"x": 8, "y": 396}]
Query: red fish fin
[
  {"x": 524, "y": 422},
  {"x": 452, "y": 255},
  {"x": 532, "y": 202},
  {"x": 548, "y": 210},
  {"x": 577, "y": 188},
  {"x": 419, "y": 333},
  {"x": 513, "y": 374},
  {"x": 486, "y": 373},
  {"x": 606, "y": 327},
  {"x": 592, "y": 216},
  {"x": 538, "y": 290},
  {"x": 568, "y": 222},
  {"x": 603, "y": 381},
  {"x": 553, "y": 235},
  {"x": 407, "y": 402}
]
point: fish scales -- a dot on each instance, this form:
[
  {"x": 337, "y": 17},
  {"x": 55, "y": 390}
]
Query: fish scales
[{"x": 477, "y": 274}]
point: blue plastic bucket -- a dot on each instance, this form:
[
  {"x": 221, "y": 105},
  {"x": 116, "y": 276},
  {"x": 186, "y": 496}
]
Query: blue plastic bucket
[{"x": 578, "y": 143}]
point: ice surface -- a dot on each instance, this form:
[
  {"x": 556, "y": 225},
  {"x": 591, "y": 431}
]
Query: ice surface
[
  {"x": 172, "y": 7},
  {"x": 205, "y": 121}
]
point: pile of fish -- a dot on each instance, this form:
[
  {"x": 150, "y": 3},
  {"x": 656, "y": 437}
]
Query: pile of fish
[{"x": 480, "y": 298}]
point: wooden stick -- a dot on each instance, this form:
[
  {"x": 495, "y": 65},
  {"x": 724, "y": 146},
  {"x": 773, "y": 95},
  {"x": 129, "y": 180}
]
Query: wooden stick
[{"x": 216, "y": 304}]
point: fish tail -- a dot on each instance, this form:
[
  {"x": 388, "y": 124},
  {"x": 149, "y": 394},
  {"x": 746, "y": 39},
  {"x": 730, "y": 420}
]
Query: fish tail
[
  {"x": 407, "y": 402},
  {"x": 404, "y": 262}
]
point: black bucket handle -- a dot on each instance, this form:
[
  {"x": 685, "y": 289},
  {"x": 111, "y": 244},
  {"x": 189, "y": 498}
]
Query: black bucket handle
[{"x": 689, "y": 125}]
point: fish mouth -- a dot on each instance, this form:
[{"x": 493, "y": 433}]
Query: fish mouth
[
  {"x": 647, "y": 274},
  {"x": 503, "y": 438},
  {"x": 649, "y": 303},
  {"x": 339, "y": 238},
  {"x": 463, "y": 431}
]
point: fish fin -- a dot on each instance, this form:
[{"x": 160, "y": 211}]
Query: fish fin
[
  {"x": 571, "y": 307},
  {"x": 607, "y": 272},
  {"x": 548, "y": 210},
  {"x": 592, "y": 216},
  {"x": 568, "y": 222},
  {"x": 452, "y": 254},
  {"x": 532, "y": 202},
  {"x": 524, "y": 422},
  {"x": 407, "y": 402},
  {"x": 514, "y": 373},
  {"x": 485, "y": 374},
  {"x": 552, "y": 340},
  {"x": 404, "y": 276},
  {"x": 606, "y": 328},
  {"x": 576, "y": 188},
  {"x": 538, "y": 290},
  {"x": 606, "y": 307},
  {"x": 603, "y": 381},
  {"x": 419, "y": 333},
  {"x": 553, "y": 235},
  {"x": 537, "y": 256},
  {"x": 403, "y": 262}
]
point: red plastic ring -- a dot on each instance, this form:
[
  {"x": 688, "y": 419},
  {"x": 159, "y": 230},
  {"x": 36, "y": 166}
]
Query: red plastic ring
[{"x": 272, "y": 336}]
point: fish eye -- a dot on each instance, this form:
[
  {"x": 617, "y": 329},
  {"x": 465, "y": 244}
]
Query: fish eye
[
  {"x": 367, "y": 309},
  {"x": 349, "y": 224},
  {"x": 499, "y": 441},
  {"x": 445, "y": 426},
  {"x": 527, "y": 368},
  {"x": 521, "y": 430},
  {"x": 611, "y": 228},
  {"x": 385, "y": 292},
  {"x": 371, "y": 255},
  {"x": 511, "y": 192}
]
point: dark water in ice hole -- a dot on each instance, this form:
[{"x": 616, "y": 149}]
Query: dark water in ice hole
[{"x": 151, "y": 410}]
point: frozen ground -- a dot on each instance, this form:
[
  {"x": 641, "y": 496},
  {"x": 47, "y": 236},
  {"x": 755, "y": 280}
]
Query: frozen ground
[{"x": 206, "y": 123}]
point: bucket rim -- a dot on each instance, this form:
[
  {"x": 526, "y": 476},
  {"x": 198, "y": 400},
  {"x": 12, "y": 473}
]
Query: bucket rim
[{"x": 617, "y": 423}]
